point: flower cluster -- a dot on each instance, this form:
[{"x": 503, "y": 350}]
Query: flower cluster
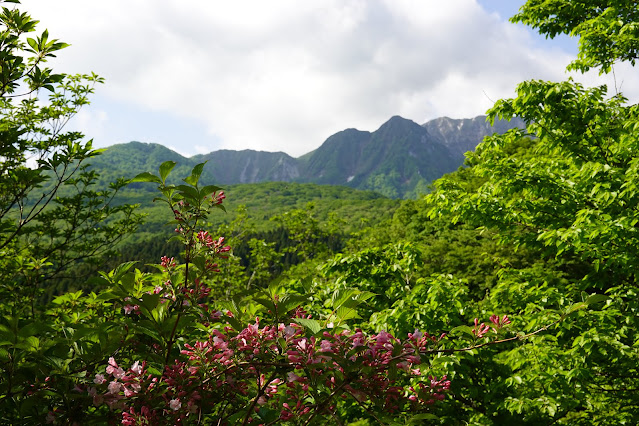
[
  {"x": 480, "y": 329},
  {"x": 276, "y": 367},
  {"x": 122, "y": 384},
  {"x": 218, "y": 197}
]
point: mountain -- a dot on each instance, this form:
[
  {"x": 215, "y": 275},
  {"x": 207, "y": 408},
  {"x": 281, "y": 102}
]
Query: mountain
[
  {"x": 398, "y": 160},
  {"x": 394, "y": 160},
  {"x": 401, "y": 158},
  {"x": 461, "y": 136},
  {"x": 248, "y": 166}
]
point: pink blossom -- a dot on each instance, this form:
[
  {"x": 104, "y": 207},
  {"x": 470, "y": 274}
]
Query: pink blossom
[
  {"x": 99, "y": 379},
  {"x": 114, "y": 370},
  {"x": 480, "y": 329},
  {"x": 302, "y": 344},
  {"x": 114, "y": 387},
  {"x": 218, "y": 198},
  {"x": 136, "y": 368},
  {"x": 292, "y": 377},
  {"x": 167, "y": 262},
  {"x": 499, "y": 322},
  {"x": 175, "y": 404},
  {"x": 325, "y": 346}
]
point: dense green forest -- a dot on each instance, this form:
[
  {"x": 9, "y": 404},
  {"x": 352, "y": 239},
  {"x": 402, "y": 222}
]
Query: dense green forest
[{"x": 508, "y": 295}]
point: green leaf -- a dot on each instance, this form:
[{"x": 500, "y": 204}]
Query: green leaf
[
  {"x": 267, "y": 303},
  {"x": 195, "y": 174},
  {"x": 148, "y": 328},
  {"x": 596, "y": 298},
  {"x": 419, "y": 418},
  {"x": 33, "y": 329},
  {"x": 122, "y": 269},
  {"x": 341, "y": 296},
  {"x": 208, "y": 190},
  {"x": 105, "y": 296},
  {"x": 344, "y": 313},
  {"x": 463, "y": 329},
  {"x": 189, "y": 193},
  {"x": 146, "y": 177},
  {"x": 311, "y": 324},
  {"x": 575, "y": 307},
  {"x": 165, "y": 169},
  {"x": 150, "y": 301},
  {"x": 267, "y": 415},
  {"x": 32, "y": 43},
  {"x": 290, "y": 301},
  {"x": 237, "y": 326}
]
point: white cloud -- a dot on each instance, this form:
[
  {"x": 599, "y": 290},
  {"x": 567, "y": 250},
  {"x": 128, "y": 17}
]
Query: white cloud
[
  {"x": 91, "y": 121},
  {"x": 285, "y": 75},
  {"x": 200, "y": 149}
]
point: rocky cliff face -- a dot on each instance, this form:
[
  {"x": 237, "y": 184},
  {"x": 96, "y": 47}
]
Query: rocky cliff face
[
  {"x": 248, "y": 166},
  {"x": 463, "y": 135}
]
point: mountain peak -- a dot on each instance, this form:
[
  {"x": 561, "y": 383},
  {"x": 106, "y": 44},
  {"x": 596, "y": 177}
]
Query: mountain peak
[
  {"x": 396, "y": 122},
  {"x": 463, "y": 135}
]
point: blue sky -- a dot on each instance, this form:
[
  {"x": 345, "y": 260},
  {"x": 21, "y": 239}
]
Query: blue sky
[
  {"x": 508, "y": 8},
  {"x": 284, "y": 75}
]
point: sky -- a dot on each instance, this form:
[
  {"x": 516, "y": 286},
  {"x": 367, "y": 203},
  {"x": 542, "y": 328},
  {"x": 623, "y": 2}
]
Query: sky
[{"x": 284, "y": 75}]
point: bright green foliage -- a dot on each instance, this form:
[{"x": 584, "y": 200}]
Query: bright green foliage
[
  {"x": 387, "y": 272},
  {"x": 608, "y": 29},
  {"x": 309, "y": 242},
  {"x": 572, "y": 194},
  {"x": 565, "y": 188},
  {"x": 51, "y": 215}
]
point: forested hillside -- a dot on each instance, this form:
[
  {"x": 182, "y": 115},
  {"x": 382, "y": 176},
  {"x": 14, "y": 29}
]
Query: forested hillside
[{"x": 506, "y": 296}]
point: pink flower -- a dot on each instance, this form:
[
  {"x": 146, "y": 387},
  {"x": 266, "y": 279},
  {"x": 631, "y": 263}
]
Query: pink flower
[
  {"x": 99, "y": 379},
  {"x": 480, "y": 329},
  {"x": 292, "y": 377},
  {"x": 136, "y": 368},
  {"x": 114, "y": 387},
  {"x": 114, "y": 370},
  {"x": 167, "y": 262},
  {"x": 302, "y": 344},
  {"x": 499, "y": 322},
  {"x": 325, "y": 346},
  {"x": 175, "y": 404},
  {"x": 217, "y": 198}
]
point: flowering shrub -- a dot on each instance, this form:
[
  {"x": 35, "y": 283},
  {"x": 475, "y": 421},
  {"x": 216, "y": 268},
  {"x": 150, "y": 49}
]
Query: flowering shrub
[
  {"x": 155, "y": 349},
  {"x": 272, "y": 373}
]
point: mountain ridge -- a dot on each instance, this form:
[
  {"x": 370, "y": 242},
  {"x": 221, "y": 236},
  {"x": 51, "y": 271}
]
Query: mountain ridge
[{"x": 399, "y": 160}]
